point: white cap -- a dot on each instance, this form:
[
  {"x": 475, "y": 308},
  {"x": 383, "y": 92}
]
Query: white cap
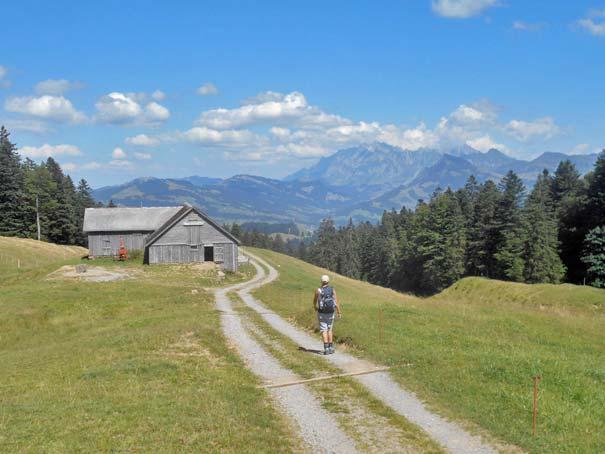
[{"x": 325, "y": 278}]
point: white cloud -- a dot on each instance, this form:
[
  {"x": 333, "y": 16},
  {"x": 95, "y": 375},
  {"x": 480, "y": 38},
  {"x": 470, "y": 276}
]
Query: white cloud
[
  {"x": 528, "y": 26},
  {"x": 544, "y": 128},
  {"x": 142, "y": 156},
  {"x": 56, "y": 108},
  {"x": 56, "y": 87},
  {"x": 594, "y": 22},
  {"x": 143, "y": 140},
  {"x": 273, "y": 126},
  {"x": 485, "y": 143},
  {"x": 206, "y": 136},
  {"x": 126, "y": 109},
  {"x": 118, "y": 153},
  {"x": 596, "y": 28},
  {"x": 480, "y": 112},
  {"x": 292, "y": 106},
  {"x": 208, "y": 89},
  {"x": 46, "y": 151},
  {"x": 155, "y": 112},
  {"x": 462, "y": 9},
  {"x": 158, "y": 95},
  {"x": 281, "y": 133}
]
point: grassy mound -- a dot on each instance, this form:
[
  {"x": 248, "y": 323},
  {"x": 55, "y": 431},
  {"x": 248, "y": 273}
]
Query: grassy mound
[
  {"x": 471, "y": 351},
  {"x": 137, "y": 365},
  {"x": 18, "y": 255},
  {"x": 563, "y": 297}
]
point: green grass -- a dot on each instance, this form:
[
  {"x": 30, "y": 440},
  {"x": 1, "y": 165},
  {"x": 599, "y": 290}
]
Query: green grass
[
  {"x": 20, "y": 255},
  {"x": 474, "y": 349},
  {"x": 139, "y": 365}
]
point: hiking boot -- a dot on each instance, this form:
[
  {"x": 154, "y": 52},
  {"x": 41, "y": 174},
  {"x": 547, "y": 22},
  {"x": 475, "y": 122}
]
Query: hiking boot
[{"x": 331, "y": 350}]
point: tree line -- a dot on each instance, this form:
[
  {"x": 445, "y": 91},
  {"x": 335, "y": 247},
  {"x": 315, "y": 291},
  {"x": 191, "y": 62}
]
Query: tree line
[
  {"x": 29, "y": 191},
  {"x": 554, "y": 233}
]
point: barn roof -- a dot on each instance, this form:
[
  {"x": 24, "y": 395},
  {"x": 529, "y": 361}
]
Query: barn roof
[
  {"x": 127, "y": 219},
  {"x": 180, "y": 214}
]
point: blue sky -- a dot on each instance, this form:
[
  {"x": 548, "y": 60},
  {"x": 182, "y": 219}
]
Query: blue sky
[{"x": 117, "y": 90}]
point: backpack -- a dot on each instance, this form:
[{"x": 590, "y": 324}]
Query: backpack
[{"x": 326, "y": 302}]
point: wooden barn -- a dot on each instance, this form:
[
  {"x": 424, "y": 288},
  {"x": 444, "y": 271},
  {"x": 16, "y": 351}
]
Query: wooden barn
[{"x": 165, "y": 234}]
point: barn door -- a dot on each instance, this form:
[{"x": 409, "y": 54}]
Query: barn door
[{"x": 219, "y": 254}]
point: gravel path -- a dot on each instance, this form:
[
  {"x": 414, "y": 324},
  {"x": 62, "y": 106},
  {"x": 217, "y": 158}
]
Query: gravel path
[
  {"x": 316, "y": 426},
  {"x": 450, "y": 435}
]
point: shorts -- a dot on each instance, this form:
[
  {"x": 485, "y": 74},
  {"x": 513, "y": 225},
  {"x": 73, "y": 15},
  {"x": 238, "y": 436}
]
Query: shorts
[{"x": 325, "y": 321}]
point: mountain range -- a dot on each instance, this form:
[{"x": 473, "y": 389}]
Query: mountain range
[{"x": 359, "y": 182}]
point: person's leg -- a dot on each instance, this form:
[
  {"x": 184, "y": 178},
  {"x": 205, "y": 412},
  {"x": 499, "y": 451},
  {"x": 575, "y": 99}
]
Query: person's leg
[
  {"x": 325, "y": 336},
  {"x": 330, "y": 344},
  {"x": 323, "y": 327}
]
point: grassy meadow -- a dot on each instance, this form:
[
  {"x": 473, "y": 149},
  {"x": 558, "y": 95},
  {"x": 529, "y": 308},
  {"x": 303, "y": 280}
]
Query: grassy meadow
[
  {"x": 137, "y": 365},
  {"x": 471, "y": 351}
]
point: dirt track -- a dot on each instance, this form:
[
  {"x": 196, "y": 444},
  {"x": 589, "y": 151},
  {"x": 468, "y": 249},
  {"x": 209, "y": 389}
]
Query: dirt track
[{"x": 448, "y": 434}]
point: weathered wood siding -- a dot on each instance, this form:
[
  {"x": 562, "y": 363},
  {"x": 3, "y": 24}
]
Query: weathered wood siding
[
  {"x": 108, "y": 244},
  {"x": 185, "y": 242}
]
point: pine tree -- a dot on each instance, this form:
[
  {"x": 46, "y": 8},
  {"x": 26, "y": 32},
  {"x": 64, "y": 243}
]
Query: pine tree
[
  {"x": 594, "y": 256},
  {"x": 348, "y": 260},
  {"x": 323, "y": 250},
  {"x": 509, "y": 251},
  {"x": 61, "y": 220},
  {"x": 82, "y": 199},
  {"x": 569, "y": 197},
  {"x": 442, "y": 245},
  {"x": 542, "y": 262},
  {"x": 301, "y": 253},
  {"x": 596, "y": 193},
  {"x": 483, "y": 232},
  {"x": 12, "y": 198},
  {"x": 278, "y": 244}
]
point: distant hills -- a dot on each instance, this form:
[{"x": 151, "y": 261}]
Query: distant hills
[{"x": 359, "y": 182}]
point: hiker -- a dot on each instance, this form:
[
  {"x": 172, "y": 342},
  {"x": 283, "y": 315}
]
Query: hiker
[{"x": 325, "y": 303}]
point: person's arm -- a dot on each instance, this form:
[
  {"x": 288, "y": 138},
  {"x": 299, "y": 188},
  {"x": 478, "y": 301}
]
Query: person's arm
[
  {"x": 315, "y": 300},
  {"x": 337, "y": 305}
]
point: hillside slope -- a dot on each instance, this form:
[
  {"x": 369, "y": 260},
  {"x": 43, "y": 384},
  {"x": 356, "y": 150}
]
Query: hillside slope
[
  {"x": 137, "y": 365},
  {"x": 472, "y": 350},
  {"x": 21, "y": 254}
]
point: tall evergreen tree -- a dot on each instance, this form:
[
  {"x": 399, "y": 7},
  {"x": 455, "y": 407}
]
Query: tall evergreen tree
[
  {"x": 509, "y": 252},
  {"x": 443, "y": 243},
  {"x": 61, "y": 219},
  {"x": 12, "y": 198},
  {"x": 348, "y": 259},
  {"x": 483, "y": 234},
  {"x": 542, "y": 262},
  {"x": 569, "y": 197},
  {"x": 82, "y": 199},
  {"x": 594, "y": 256},
  {"x": 596, "y": 194},
  {"x": 323, "y": 250}
]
